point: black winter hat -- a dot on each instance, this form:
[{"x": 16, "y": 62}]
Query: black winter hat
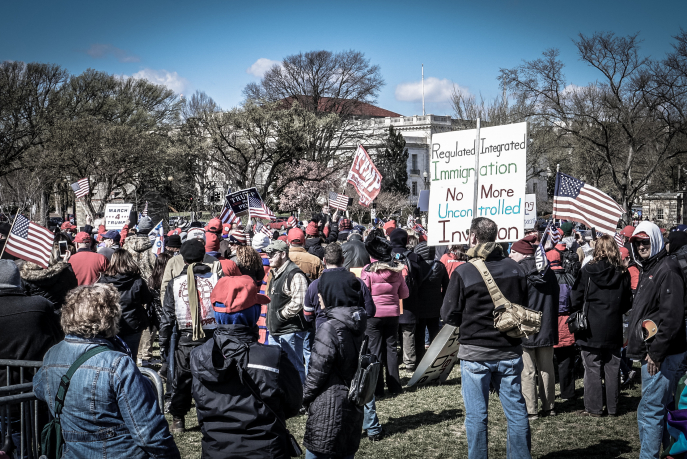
[
  {"x": 378, "y": 248},
  {"x": 677, "y": 240},
  {"x": 399, "y": 238},
  {"x": 174, "y": 241},
  {"x": 193, "y": 250}
]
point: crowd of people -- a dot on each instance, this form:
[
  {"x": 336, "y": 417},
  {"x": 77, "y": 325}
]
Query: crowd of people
[{"x": 254, "y": 329}]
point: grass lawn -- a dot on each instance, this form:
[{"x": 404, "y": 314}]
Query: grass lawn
[{"x": 428, "y": 422}]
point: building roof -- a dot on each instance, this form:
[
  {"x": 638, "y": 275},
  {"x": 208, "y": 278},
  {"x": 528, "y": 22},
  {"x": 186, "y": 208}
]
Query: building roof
[{"x": 333, "y": 105}]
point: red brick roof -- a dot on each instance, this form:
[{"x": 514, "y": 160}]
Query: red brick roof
[{"x": 329, "y": 104}]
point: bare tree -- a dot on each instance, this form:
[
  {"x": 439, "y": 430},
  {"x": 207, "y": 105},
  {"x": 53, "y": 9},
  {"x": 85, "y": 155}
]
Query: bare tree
[{"x": 618, "y": 120}]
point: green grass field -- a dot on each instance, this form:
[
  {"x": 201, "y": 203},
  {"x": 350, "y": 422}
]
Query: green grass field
[{"x": 428, "y": 423}]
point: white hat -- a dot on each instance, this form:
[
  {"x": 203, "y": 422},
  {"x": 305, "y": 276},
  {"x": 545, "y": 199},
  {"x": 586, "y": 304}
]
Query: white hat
[
  {"x": 260, "y": 241},
  {"x": 197, "y": 233}
]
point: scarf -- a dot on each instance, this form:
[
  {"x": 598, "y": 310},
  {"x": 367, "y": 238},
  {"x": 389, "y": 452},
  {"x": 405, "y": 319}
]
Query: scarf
[
  {"x": 484, "y": 250},
  {"x": 194, "y": 303}
]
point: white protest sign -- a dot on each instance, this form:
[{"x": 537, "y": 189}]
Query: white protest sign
[
  {"x": 439, "y": 358},
  {"x": 530, "y": 211},
  {"x": 117, "y": 215},
  {"x": 502, "y": 178}
]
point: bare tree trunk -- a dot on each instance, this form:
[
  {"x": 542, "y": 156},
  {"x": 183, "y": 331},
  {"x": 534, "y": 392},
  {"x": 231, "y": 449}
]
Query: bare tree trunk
[{"x": 44, "y": 209}]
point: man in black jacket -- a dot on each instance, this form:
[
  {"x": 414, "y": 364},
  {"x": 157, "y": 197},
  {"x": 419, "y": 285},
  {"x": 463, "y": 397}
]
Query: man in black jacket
[
  {"x": 660, "y": 298},
  {"x": 354, "y": 252},
  {"x": 233, "y": 373},
  {"x": 537, "y": 357},
  {"x": 486, "y": 354}
]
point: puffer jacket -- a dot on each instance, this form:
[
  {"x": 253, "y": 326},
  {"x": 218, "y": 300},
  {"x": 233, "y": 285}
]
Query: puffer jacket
[
  {"x": 334, "y": 424},
  {"x": 354, "y": 252},
  {"x": 53, "y": 283},
  {"x": 608, "y": 298},
  {"x": 233, "y": 422},
  {"x": 543, "y": 293},
  {"x": 432, "y": 291},
  {"x": 133, "y": 294},
  {"x": 386, "y": 283},
  {"x": 139, "y": 247}
]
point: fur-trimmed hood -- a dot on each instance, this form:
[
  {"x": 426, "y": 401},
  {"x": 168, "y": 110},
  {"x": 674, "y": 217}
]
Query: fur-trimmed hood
[
  {"x": 137, "y": 243},
  {"x": 35, "y": 274},
  {"x": 378, "y": 266}
]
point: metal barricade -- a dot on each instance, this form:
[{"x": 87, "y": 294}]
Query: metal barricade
[
  {"x": 20, "y": 394},
  {"x": 155, "y": 379}
]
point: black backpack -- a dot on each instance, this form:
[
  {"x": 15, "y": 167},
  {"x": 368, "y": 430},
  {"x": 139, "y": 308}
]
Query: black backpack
[
  {"x": 411, "y": 278},
  {"x": 570, "y": 262},
  {"x": 364, "y": 382}
]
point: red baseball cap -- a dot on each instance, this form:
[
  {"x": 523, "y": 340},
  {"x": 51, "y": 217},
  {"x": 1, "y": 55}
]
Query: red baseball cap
[
  {"x": 627, "y": 231},
  {"x": 640, "y": 236},
  {"x": 236, "y": 293},
  {"x": 82, "y": 237},
  {"x": 67, "y": 226},
  {"x": 295, "y": 236},
  {"x": 624, "y": 253}
]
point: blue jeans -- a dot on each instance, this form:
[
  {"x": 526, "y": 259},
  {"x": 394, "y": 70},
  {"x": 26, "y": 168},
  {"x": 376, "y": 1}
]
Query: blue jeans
[
  {"x": 292, "y": 344},
  {"x": 657, "y": 392},
  {"x": 307, "y": 348},
  {"x": 311, "y": 455},
  {"x": 505, "y": 375},
  {"x": 370, "y": 419}
]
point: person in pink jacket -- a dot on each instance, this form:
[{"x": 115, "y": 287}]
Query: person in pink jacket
[{"x": 386, "y": 283}]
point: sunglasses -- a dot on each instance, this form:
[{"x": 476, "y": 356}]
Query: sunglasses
[
  {"x": 272, "y": 254},
  {"x": 645, "y": 242}
]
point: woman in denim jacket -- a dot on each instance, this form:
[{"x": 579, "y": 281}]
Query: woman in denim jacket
[{"x": 110, "y": 410}]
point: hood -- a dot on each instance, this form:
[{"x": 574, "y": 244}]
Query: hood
[
  {"x": 355, "y": 319},
  {"x": 655, "y": 237},
  {"x": 355, "y": 237},
  {"x": 379, "y": 266},
  {"x": 678, "y": 241},
  {"x": 35, "y": 274},
  {"x": 533, "y": 274},
  {"x": 312, "y": 242},
  {"x": 139, "y": 243},
  {"x": 604, "y": 274},
  {"x": 122, "y": 281},
  {"x": 9, "y": 276},
  {"x": 229, "y": 348}
]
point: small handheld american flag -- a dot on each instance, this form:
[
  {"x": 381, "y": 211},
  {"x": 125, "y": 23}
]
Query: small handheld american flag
[
  {"x": 81, "y": 188},
  {"x": 30, "y": 242},
  {"x": 260, "y": 228},
  {"x": 338, "y": 201},
  {"x": 258, "y": 209},
  {"x": 228, "y": 216}
]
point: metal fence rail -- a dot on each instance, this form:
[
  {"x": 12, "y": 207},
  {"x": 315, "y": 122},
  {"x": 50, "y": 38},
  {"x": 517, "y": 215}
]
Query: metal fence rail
[{"x": 20, "y": 394}]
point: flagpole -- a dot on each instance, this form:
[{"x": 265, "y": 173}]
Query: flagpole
[{"x": 9, "y": 234}]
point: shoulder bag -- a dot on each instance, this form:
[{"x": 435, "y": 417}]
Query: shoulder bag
[
  {"x": 512, "y": 319},
  {"x": 51, "y": 437},
  {"x": 364, "y": 382},
  {"x": 577, "y": 322}
]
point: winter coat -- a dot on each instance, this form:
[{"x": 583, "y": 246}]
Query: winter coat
[
  {"x": 451, "y": 262},
  {"x": 354, "y": 252},
  {"x": 418, "y": 270},
  {"x": 233, "y": 422},
  {"x": 468, "y": 304},
  {"x": 139, "y": 247},
  {"x": 432, "y": 292},
  {"x": 565, "y": 338},
  {"x": 334, "y": 424},
  {"x": 308, "y": 263},
  {"x": 52, "y": 283},
  {"x": 543, "y": 293},
  {"x": 659, "y": 297},
  {"x": 133, "y": 294},
  {"x": 314, "y": 247},
  {"x": 608, "y": 298},
  {"x": 386, "y": 283},
  {"x": 426, "y": 252},
  {"x": 87, "y": 266},
  {"x": 565, "y": 283}
]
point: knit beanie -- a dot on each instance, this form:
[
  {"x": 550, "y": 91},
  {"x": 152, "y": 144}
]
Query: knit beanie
[
  {"x": 399, "y": 238},
  {"x": 567, "y": 228},
  {"x": 312, "y": 229},
  {"x": 192, "y": 251},
  {"x": 524, "y": 245}
]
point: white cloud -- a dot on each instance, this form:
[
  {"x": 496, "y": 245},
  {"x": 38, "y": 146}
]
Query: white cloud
[
  {"x": 101, "y": 50},
  {"x": 436, "y": 90},
  {"x": 261, "y": 66},
  {"x": 170, "y": 79}
]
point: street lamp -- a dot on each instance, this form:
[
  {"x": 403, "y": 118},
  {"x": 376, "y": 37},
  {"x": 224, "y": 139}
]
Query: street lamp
[{"x": 425, "y": 176}]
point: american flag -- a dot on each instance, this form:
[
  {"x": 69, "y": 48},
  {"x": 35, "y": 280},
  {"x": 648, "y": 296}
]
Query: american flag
[
  {"x": 541, "y": 262},
  {"x": 618, "y": 239},
  {"x": 258, "y": 209},
  {"x": 580, "y": 202},
  {"x": 81, "y": 188},
  {"x": 338, "y": 201},
  {"x": 553, "y": 233},
  {"x": 145, "y": 210},
  {"x": 228, "y": 216},
  {"x": 260, "y": 228},
  {"x": 30, "y": 242}
]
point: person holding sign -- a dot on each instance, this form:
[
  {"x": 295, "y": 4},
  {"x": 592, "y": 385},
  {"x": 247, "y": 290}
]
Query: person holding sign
[{"x": 486, "y": 354}]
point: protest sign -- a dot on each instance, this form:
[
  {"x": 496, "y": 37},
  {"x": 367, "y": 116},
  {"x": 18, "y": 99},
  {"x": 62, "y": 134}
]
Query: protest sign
[
  {"x": 238, "y": 200},
  {"x": 117, "y": 215},
  {"x": 439, "y": 358},
  {"x": 530, "y": 211},
  {"x": 365, "y": 177},
  {"x": 502, "y": 178}
]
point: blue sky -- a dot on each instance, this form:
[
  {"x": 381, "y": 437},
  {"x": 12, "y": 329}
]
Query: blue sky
[{"x": 212, "y": 46}]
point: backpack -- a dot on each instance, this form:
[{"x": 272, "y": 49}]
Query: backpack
[
  {"x": 570, "y": 262},
  {"x": 364, "y": 382},
  {"x": 51, "y": 436},
  {"x": 410, "y": 274}
]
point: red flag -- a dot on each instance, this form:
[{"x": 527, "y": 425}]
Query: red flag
[{"x": 365, "y": 177}]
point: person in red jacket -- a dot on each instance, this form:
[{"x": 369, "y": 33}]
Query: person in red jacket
[
  {"x": 453, "y": 258},
  {"x": 87, "y": 265}
]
